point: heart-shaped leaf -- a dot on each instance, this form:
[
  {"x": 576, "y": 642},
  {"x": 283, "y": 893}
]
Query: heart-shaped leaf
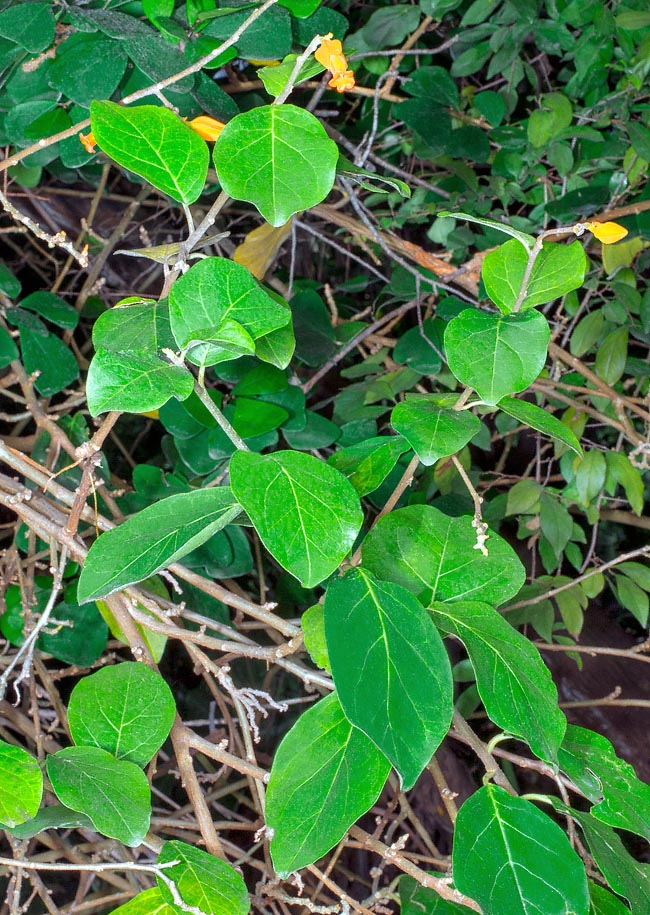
[
  {"x": 137, "y": 384},
  {"x": 431, "y": 431}
]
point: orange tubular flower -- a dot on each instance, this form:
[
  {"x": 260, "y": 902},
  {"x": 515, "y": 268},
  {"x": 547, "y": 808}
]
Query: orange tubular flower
[
  {"x": 330, "y": 55},
  {"x": 206, "y": 127},
  {"x": 88, "y": 141}
]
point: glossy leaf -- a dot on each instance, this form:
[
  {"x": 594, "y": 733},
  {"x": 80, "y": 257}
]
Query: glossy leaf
[
  {"x": 306, "y": 513},
  {"x": 325, "y": 775},
  {"x": 49, "y": 359},
  {"x": 431, "y": 431},
  {"x": 432, "y": 555},
  {"x": 620, "y": 798},
  {"x": 21, "y": 785},
  {"x": 510, "y": 857},
  {"x": 114, "y": 793},
  {"x": 390, "y": 669},
  {"x": 513, "y": 682},
  {"x": 154, "y": 143},
  {"x": 420, "y": 900},
  {"x": 541, "y": 420},
  {"x": 149, "y": 902},
  {"x": 496, "y": 355},
  {"x": 126, "y": 709},
  {"x": 277, "y": 157},
  {"x": 147, "y": 542},
  {"x": 141, "y": 327},
  {"x": 526, "y": 240},
  {"x": 558, "y": 269},
  {"x": 119, "y": 382},
  {"x": 605, "y": 903},
  {"x": 368, "y": 463},
  {"x": 208, "y": 883},
  {"x": 312, "y": 624},
  {"x": 55, "y": 816}
]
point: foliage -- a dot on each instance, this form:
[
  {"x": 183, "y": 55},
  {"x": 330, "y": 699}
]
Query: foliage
[{"x": 289, "y": 463}]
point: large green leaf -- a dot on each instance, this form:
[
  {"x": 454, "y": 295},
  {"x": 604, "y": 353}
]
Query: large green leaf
[
  {"x": 49, "y": 359},
  {"x": 150, "y": 902},
  {"x": 114, "y": 793},
  {"x": 512, "y": 858},
  {"x": 117, "y": 381},
  {"x": 513, "y": 682},
  {"x": 158, "y": 535},
  {"x": 433, "y": 556},
  {"x": 277, "y": 157},
  {"x": 541, "y": 420},
  {"x": 221, "y": 303},
  {"x": 390, "y": 669},
  {"x": 140, "y": 327},
  {"x": 21, "y": 785},
  {"x": 620, "y": 798},
  {"x": 126, "y": 709},
  {"x": 431, "y": 431},
  {"x": 367, "y": 464},
  {"x": 558, "y": 269},
  {"x": 208, "y": 883},
  {"x": 496, "y": 355},
  {"x": 325, "y": 775},
  {"x": 154, "y": 143},
  {"x": 306, "y": 513},
  {"x": 87, "y": 67}
]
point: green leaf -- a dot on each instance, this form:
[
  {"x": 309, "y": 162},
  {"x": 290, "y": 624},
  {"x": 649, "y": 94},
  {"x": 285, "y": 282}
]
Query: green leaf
[
  {"x": 633, "y": 598},
  {"x": 52, "y": 308},
  {"x": 119, "y": 382},
  {"x": 368, "y": 463},
  {"x": 626, "y": 475},
  {"x": 605, "y": 903},
  {"x": 633, "y": 19},
  {"x": 126, "y": 709},
  {"x": 306, "y": 513},
  {"x": 88, "y": 67},
  {"x": 389, "y": 26},
  {"x": 208, "y": 883},
  {"x": 639, "y": 574},
  {"x": 50, "y": 358},
  {"x": 433, "y": 556},
  {"x": 154, "y": 143},
  {"x": 21, "y": 785},
  {"x": 371, "y": 181},
  {"x": 30, "y": 25},
  {"x": 150, "y": 902},
  {"x": 141, "y": 327},
  {"x": 277, "y": 157},
  {"x": 8, "y": 349},
  {"x": 611, "y": 355},
  {"x": 431, "y": 431},
  {"x": 496, "y": 355},
  {"x": 312, "y": 624},
  {"x": 54, "y": 817},
  {"x": 74, "y": 634},
  {"x": 513, "y": 682},
  {"x": 526, "y": 240},
  {"x": 556, "y": 523},
  {"x": 325, "y": 775},
  {"x": 590, "y": 476},
  {"x": 157, "y": 536},
  {"x": 420, "y": 900},
  {"x": 301, "y": 8},
  {"x": 217, "y": 298},
  {"x": 620, "y": 798},
  {"x": 558, "y": 269},
  {"x": 114, "y": 793},
  {"x": 510, "y": 857},
  {"x": 390, "y": 669},
  {"x": 276, "y": 77},
  {"x": 541, "y": 420}
]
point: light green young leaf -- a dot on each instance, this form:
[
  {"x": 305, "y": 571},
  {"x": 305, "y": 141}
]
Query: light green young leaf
[
  {"x": 208, "y": 883},
  {"x": 541, "y": 420},
  {"x": 114, "y": 793},
  {"x": 325, "y": 775},
  {"x": 526, "y": 240},
  {"x": 312, "y": 624},
  {"x": 494, "y": 354},
  {"x": 276, "y": 77},
  {"x": 390, "y": 669},
  {"x": 513, "y": 682},
  {"x": 150, "y": 902},
  {"x": 126, "y": 709},
  {"x": 158, "y": 535},
  {"x": 371, "y": 181},
  {"x": 431, "y": 431},
  {"x": 21, "y": 785},
  {"x": 368, "y": 463},
  {"x": 117, "y": 381},
  {"x": 510, "y": 857},
  {"x": 277, "y": 157},
  {"x": 306, "y": 513},
  {"x": 433, "y": 556},
  {"x": 154, "y": 143}
]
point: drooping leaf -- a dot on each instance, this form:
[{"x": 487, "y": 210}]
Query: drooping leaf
[
  {"x": 277, "y": 157},
  {"x": 158, "y": 535},
  {"x": 510, "y": 857},
  {"x": 137, "y": 385},
  {"x": 325, "y": 775},
  {"x": 21, "y": 785},
  {"x": 541, "y": 420},
  {"x": 433, "y": 556},
  {"x": 54, "y": 817},
  {"x": 260, "y": 248},
  {"x": 390, "y": 669},
  {"x": 306, "y": 513},
  {"x": 368, "y": 463},
  {"x": 494, "y": 354},
  {"x": 513, "y": 682},
  {"x": 114, "y": 793},
  {"x": 526, "y": 240},
  {"x": 432, "y": 431},
  {"x": 154, "y": 143},
  {"x": 208, "y": 883},
  {"x": 126, "y": 709},
  {"x": 371, "y": 181}
]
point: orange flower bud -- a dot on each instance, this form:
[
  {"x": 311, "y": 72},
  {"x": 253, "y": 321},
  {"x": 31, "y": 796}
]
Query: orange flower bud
[
  {"x": 607, "y": 232},
  {"x": 88, "y": 141},
  {"x": 342, "y": 81},
  {"x": 206, "y": 127},
  {"x": 330, "y": 55}
]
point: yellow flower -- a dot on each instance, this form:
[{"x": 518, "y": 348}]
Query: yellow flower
[
  {"x": 607, "y": 232},
  {"x": 330, "y": 55},
  {"x": 88, "y": 141},
  {"x": 206, "y": 127}
]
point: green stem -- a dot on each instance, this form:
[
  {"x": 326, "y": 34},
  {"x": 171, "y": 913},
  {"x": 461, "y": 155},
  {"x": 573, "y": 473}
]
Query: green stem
[{"x": 216, "y": 414}]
